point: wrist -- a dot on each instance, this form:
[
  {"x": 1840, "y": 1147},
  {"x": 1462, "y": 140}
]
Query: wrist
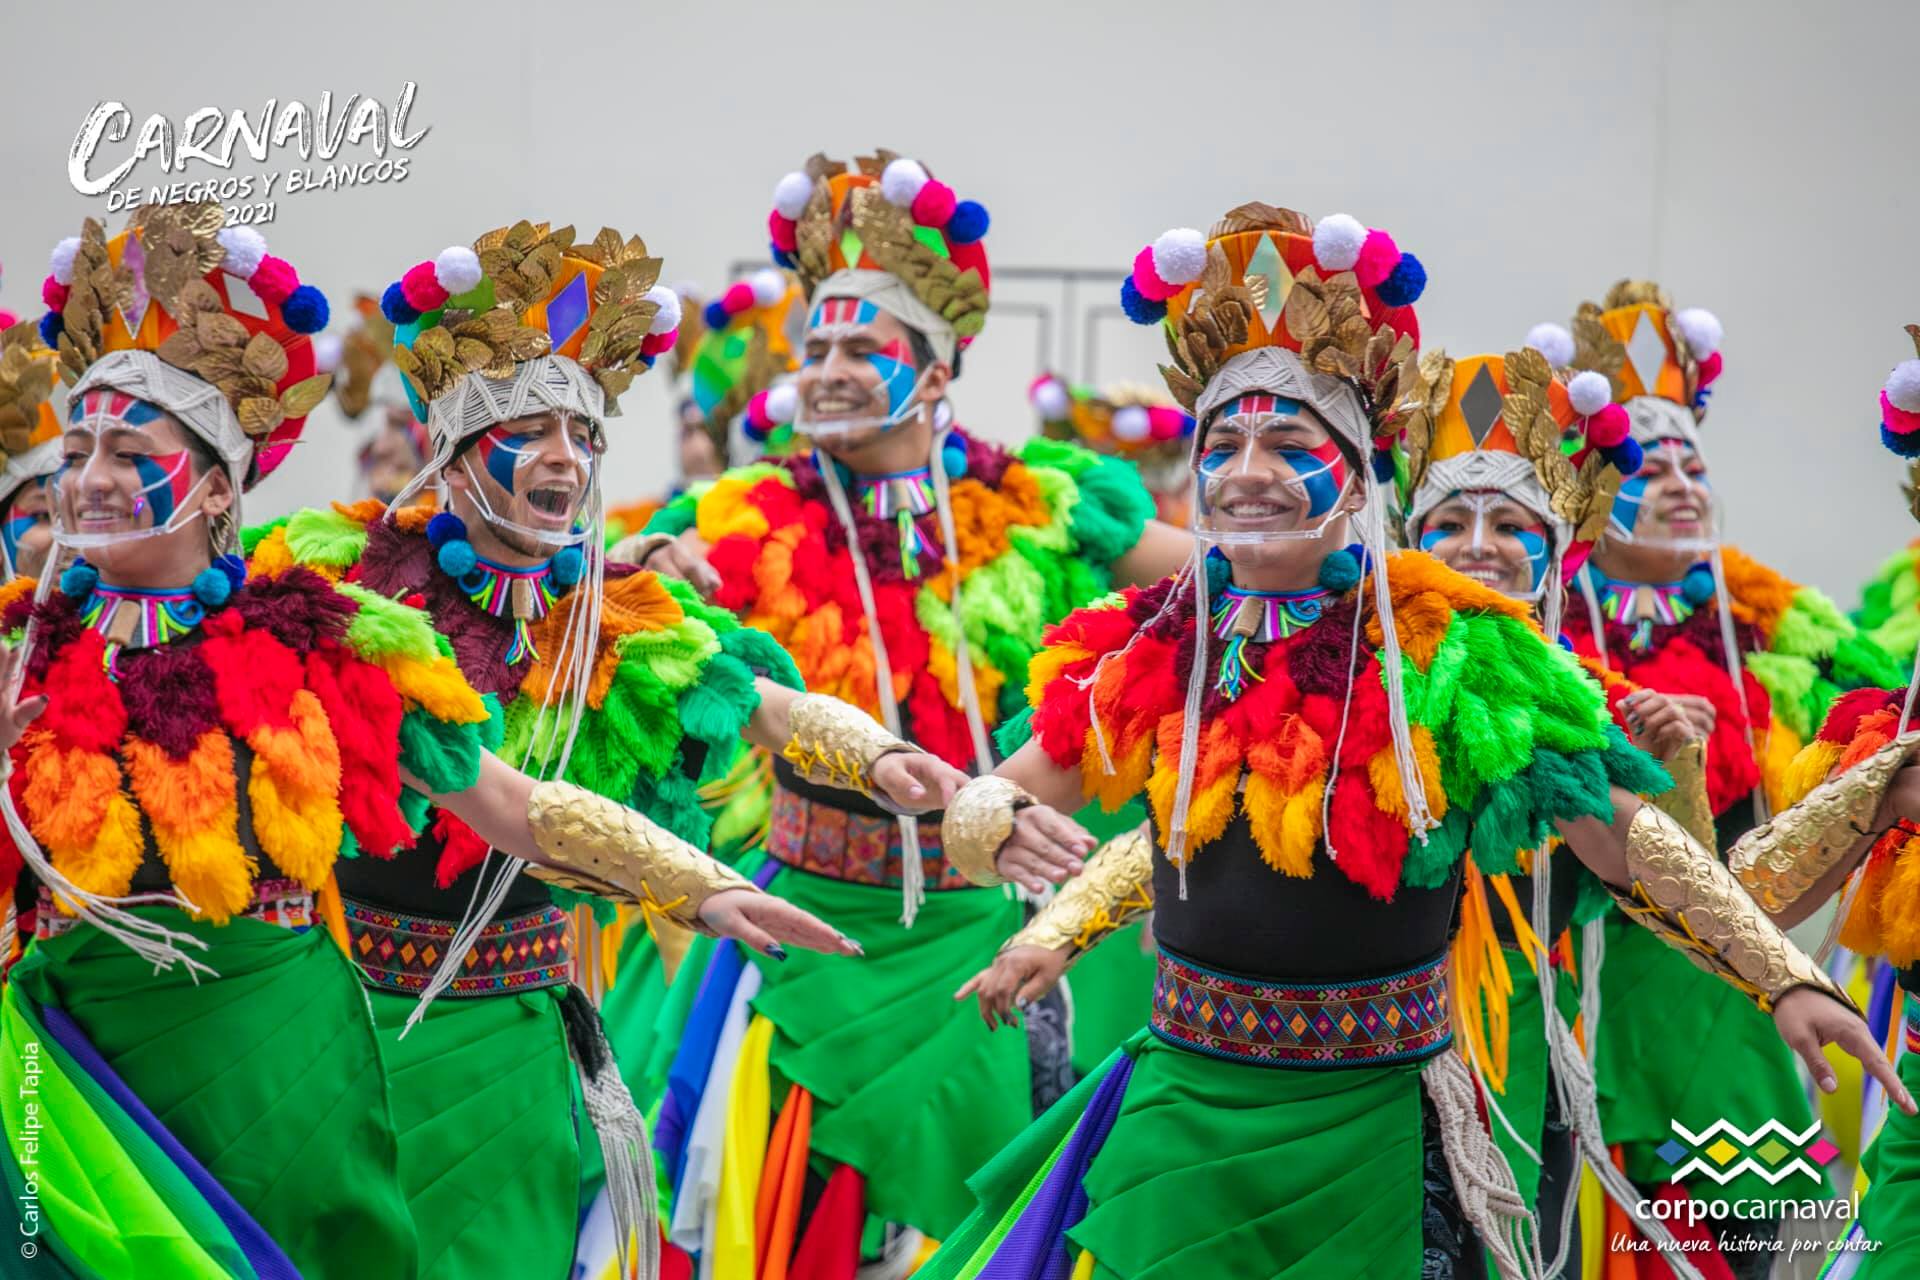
[{"x": 978, "y": 822}]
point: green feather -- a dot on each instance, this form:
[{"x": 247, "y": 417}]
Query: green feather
[
  {"x": 1428, "y": 865},
  {"x": 252, "y": 536},
  {"x": 762, "y": 655},
  {"x": 322, "y": 536},
  {"x": 679, "y": 515},
  {"x": 444, "y": 757},
  {"x": 716, "y": 709},
  {"x": 381, "y": 626},
  {"x": 1014, "y": 732},
  {"x": 1631, "y": 769}
]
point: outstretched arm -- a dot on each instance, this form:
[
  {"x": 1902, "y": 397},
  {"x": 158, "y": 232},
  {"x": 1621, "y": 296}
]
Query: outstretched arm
[
  {"x": 1010, "y": 824},
  {"x": 836, "y": 744},
  {"x": 1159, "y": 553}
]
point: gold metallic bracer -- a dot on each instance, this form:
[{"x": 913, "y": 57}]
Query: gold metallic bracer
[
  {"x": 1693, "y": 903},
  {"x": 1783, "y": 858},
  {"x": 835, "y": 744},
  {"x": 978, "y": 822},
  {"x": 636, "y": 547},
  {"x": 603, "y": 848},
  {"x": 1115, "y": 888},
  {"x": 1686, "y": 802}
]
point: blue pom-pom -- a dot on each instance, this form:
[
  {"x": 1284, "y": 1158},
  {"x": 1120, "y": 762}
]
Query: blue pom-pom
[
  {"x": 1219, "y": 571},
  {"x": 394, "y": 305},
  {"x": 756, "y": 434},
  {"x": 457, "y": 558},
  {"x": 716, "y": 315},
  {"x": 954, "y": 458},
  {"x": 79, "y": 580},
  {"x": 1626, "y": 456},
  {"x": 235, "y": 567},
  {"x": 1566, "y": 642},
  {"x": 1697, "y": 586},
  {"x": 1383, "y": 465},
  {"x": 1140, "y": 310},
  {"x": 567, "y": 564},
  {"x": 212, "y": 587},
  {"x": 1340, "y": 572},
  {"x": 444, "y": 528},
  {"x": 52, "y": 325},
  {"x": 646, "y": 362},
  {"x": 305, "y": 310},
  {"x": 1906, "y": 444},
  {"x": 1404, "y": 284},
  {"x": 968, "y": 223},
  {"x": 781, "y": 258}
]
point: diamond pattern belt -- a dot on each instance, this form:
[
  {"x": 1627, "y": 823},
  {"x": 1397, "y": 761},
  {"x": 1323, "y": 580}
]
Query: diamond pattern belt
[
  {"x": 1401, "y": 1017},
  {"x": 515, "y": 953},
  {"x": 856, "y": 847}
]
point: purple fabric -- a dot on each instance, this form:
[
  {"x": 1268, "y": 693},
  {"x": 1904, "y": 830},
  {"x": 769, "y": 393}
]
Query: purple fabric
[
  {"x": 262, "y": 1254},
  {"x": 1035, "y": 1247}
]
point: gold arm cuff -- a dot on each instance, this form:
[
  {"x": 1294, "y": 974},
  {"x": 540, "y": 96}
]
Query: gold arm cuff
[
  {"x": 835, "y": 744},
  {"x": 606, "y": 849},
  {"x": 636, "y": 547},
  {"x": 1782, "y": 859},
  {"x": 1115, "y": 888},
  {"x": 1693, "y": 903},
  {"x": 978, "y": 822},
  {"x": 1686, "y": 803}
]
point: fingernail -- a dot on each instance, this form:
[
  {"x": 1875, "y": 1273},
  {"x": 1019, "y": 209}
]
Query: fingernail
[
  {"x": 1827, "y": 1084},
  {"x": 1022, "y": 1004},
  {"x": 777, "y": 951}
]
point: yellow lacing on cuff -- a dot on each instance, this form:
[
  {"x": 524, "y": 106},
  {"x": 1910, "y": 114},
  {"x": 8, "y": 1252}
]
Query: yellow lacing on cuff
[
  {"x": 833, "y": 768},
  {"x": 1137, "y": 902},
  {"x": 651, "y": 907},
  {"x": 1675, "y": 924}
]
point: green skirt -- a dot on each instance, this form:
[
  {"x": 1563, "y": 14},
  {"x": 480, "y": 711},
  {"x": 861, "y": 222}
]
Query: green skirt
[
  {"x": 269, "y": 1076},
  {"x": 1217, "y": 1168},
  {"x": 491, "y": 1139},
  {"x": 1112, "y": 985},
  {"x": 1890, "y": 1211},
  {"x": 1679, "y": 1045}
]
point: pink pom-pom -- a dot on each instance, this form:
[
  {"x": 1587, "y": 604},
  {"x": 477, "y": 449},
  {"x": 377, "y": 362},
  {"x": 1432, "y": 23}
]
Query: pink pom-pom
[
  {"x": 1378, "y": 257},
  {"x": 1609, "y": 427},
  {"x": 655, "y": 343},
  {"x": 8, "y": 319},
  {"x": 757, "y": 413},
  {"x": 54, "y": 294},
  {"x": 1709, "y": 369},
  {"x": 737, "y": 298},
  {"x": 1896, "y": 419},
  {"x": 1165, "y": 423},
  {"x": 274, "y": 280},
  {"x": 935, "y": 204},
  {"x": 1148, "y": 281},
  {"x": 780, "y": 230},
  {"x": 422, "y": 288}
]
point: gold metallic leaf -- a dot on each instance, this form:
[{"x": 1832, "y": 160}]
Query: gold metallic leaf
[
  {"x": 265, "y": 358},
  {"x": 259, "y": 415},
  {"x": 300, "y": 399}
]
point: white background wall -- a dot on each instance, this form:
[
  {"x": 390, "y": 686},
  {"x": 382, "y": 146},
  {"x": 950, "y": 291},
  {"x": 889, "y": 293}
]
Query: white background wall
[{"x": 1757, "y": 158}]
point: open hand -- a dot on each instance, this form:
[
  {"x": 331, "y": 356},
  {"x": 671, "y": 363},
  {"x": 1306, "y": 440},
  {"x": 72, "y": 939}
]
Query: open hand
[
  {"x": 15, "y": 713},
  {"x": 1046, "y": 847},
  {"x": 675, "y": 559},
  {"x": 763, "y": 922},
  {"x": 916, "y": 781},
  {"x": 1659, "y": 723},
  {"x": 1017, "y": 977},
  {"x": 1808, "y": 1019}
]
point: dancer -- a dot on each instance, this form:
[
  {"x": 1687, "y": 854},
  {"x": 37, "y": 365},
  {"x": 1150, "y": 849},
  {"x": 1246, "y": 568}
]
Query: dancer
[
  {"x": 849, "y": 557},
  {"x": 1128, "y": 422},
  {"x": 32, "y": 405},
  {"x": 515, "y": 352},
  {"x": 1664, "y": 603},
  {"x": 1230, "y": 697}
]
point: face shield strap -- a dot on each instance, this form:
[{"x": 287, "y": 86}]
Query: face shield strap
[
  {"x": 168, "y": 490},
  {"x": 1242, "y": 454},
  {"x": 1629, "y": 504},
  {"x": 1539, "y": 543},
  {"x": 902, "y": 383}
]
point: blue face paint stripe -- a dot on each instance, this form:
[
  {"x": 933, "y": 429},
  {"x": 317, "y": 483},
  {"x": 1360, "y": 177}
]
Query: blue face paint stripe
[{"x": 1534, "y": 543}]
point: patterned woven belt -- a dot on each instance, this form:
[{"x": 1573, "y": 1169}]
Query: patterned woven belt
[
  {"x": 283, "y": 902},
  {"x": 515, "y": 953},
  {"x": 1913, "y": 1022},
  {"x": 1369, "y": 1021},
  {"x": 855, "y": 847}
]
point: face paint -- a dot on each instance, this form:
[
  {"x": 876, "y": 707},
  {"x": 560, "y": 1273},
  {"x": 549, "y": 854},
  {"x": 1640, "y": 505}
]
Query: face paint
[
  {"x": 835, "y": 319},
  {"x": 165, "y": 479},
  {"x": 1666, "y": 467},
  {"x": 503, "y": 455},
  {"x": 1484, "y": 536},
  {"x": 898, "y": 374},
  {"x": 505, "y": 452},
  {"x": 12, "y": 531},
  {"x": 165, "y": 483},
  {"x": 1252, "y": 448}
]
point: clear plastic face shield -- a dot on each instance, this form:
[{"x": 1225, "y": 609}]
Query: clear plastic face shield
[
  {"x": 1668, "y": 504},
  {"x": 535, "y": 477},
  {"x": 1486, "y": 535},
  {"x": 1267, "y": 470},
  {"x": 26, "y": 528},
  {"x": 855, "y": 377},
  {"x": 122, "y": 478}
]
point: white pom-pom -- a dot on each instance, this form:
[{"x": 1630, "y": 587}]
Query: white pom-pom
[
  {"x": 667, "y": 318},
  {"x": 457, "y": 269},
  {"x": 1131, "y": 423},
  {"x": 1050, "y": 400},
  {"x": 1903, "y": 386},
  {"x": 1180, "y": 255},
  {"x": 245, "y": 247},
  {"x": 1700, "y": 330},
  {"x": 1589, "y": 393},
  {"x": 901, "y": 181},
  {"x": 326, "y": 352},
  {"x": 61, "y": 264},
  {"x": 769, "y": 286},
  {"x": 781, "y": 401},
  {"x": 1337, "y": 240},
  {"x": 790, "y": 195},
  {"x": 1552, "y": 341}
]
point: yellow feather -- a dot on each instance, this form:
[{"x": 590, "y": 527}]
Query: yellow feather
[
  {"x": 724, "y": 510},
  {"x": 106, "y": 866},
  {"x": 1300, "y": 829},
  {"x": 302, "y": 839}
]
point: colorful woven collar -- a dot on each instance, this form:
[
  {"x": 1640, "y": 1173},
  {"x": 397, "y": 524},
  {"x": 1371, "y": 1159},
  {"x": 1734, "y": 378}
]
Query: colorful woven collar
[
  {"x": 1640, "y": 605},
  {"x": 1242, "y": 617},
  {"x": 903, "y": 497},
  {"x": 526, "y": 595},
  {"x": 127, "y": 618}
]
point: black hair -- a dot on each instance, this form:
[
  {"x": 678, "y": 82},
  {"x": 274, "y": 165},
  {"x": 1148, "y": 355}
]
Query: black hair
[{"x": 922, "y": 348}]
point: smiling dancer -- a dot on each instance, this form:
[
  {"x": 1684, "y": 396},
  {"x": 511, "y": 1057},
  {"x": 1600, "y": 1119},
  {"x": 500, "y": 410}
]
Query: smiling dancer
[
  {"x": 1314, "y": 817},
  {"x": 514, "y": 352},
  {"x": 1666, "y": 604}
]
